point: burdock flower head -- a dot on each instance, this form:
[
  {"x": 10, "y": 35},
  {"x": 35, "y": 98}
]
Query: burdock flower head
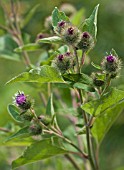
[
  {"x": 71, "y": 35},
  {"x": 111, "y": 65},
  {"x": 86, "y": 42},
  {"x": 22, "y": 101},
  {"x": 63, "y": 62}
]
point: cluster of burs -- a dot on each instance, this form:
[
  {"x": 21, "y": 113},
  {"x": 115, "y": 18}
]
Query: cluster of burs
[
  {"x": 27, "y": 114},
  {"x": 84, "y": 41}
]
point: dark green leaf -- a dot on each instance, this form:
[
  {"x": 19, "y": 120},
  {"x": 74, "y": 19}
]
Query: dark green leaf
[
  {"x": 90, "y": 24},
  {"x": 82, "y": 78},
  {"x": 38, "y": 151},
  {"x": 84, "y": 87},
  {"x": 13, "y": 111},
  {"x": 28, "y": 47},
  {"x": 49, "y": 40},
  {"x": 58, "y": 16},
  {"x": 103, "y": 123},
  {"x": 45, "y": 74},
  {"x": 22, "y": 132},
  {"x": 101, "y": 105}
]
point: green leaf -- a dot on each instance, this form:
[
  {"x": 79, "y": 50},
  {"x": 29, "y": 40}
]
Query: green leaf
[
  {"x": 28, "y": 47},
  {"x": 96, "y": 66},
  {"x": 13, "y": 111},
  {"x": 100, "y": 106},
  {"x": 78, "y": 17},
  {"x": 103, "y": 123},
  {"x": 49, "y": 40},
  {"x": 63, "y": 49},
  {"x": 45, "y": 74},
  {"x": 58, "y": 16},
  {"x": 90, "y": 24},
  {"x": 82, "y": 78},
  {"x": 29, "y": 15},
  {"x": 7, "y": 45},
  {"x": 50, "y": 108},
  {"x": 84, "y": 87},
  {"x": 22, "y": 132},
  {"x": 9, "y": 55},
  {"x": 38, "y": 151}
]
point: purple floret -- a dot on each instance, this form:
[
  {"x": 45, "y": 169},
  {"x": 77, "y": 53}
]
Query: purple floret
[
  {"x": 60, "y": 57},
  {"x": 86, "y": 35},
  {"x": 61, "y": 23},
  {"x": 20, "y": 99},
  {"x": 110, "y": 58},
  {"x": 67, "y": 53},
  {"x": 70, "y": 31}
]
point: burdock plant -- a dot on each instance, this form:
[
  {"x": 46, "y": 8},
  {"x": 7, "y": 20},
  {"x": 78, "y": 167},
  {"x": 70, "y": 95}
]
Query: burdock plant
[{"x": 90, "y": 103}]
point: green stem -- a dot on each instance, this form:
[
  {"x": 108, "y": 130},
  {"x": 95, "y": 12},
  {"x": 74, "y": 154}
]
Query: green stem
[
  {"x": 77, "y": 61},
  {"x": 82, "y": 60},
  {"x": 87, "y": 135},
  {"x": 73, "y": 162},
  {"x": 84, "y": 116}
]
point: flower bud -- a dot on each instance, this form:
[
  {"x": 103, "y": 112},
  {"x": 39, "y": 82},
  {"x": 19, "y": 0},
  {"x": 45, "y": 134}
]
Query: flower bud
[
  {"x": 22, "y": 101},
  {"x": 98, "y": 79},
  {"x": 86, "y": 42},
  {"x": 111, "y": 65},
  {"x": 35, "y": 129},
  {"x": 45, "y": 120},
  {"x": 48, "y": 23},
  {"x": 68, "y": 9},
  {"x": 26, "y": 117},
  {"x": 41, "y": 36},
  {"x": 71, "y": 35},
  {"x": 61, "y": 25},
  {"x": 63, "y": 62}
]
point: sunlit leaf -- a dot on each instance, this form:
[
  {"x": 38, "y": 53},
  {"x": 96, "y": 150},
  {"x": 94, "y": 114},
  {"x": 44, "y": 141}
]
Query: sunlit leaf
[
  {"x": 90, "y": 24},
  {"x": 29, "y": 47},
  {"x": 54, "y": 39},
  {"x": 45, "y": 74},
  {"x": 100, "y": 106},
  {"x": 38, "y": 151},
  {"x": 103, "y": 123},
  {"x": 58, "y": 16}
]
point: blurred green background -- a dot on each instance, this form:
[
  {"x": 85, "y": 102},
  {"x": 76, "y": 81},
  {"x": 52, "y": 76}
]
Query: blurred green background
[{"x": 110, "y": 35}]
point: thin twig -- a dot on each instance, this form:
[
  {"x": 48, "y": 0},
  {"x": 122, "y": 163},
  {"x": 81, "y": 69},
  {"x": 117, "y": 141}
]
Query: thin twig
[{"x": 4, "y": 129}]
